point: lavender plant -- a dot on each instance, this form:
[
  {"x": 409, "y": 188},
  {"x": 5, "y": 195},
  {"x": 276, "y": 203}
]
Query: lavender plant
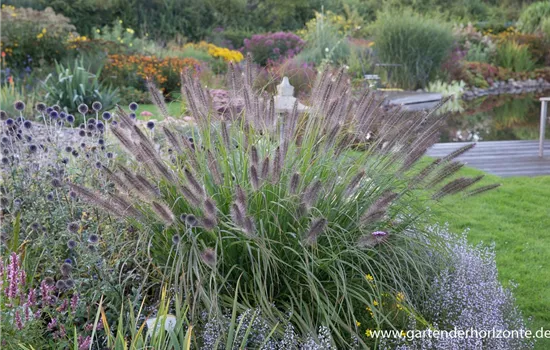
[{"x": 281, "y": 203}]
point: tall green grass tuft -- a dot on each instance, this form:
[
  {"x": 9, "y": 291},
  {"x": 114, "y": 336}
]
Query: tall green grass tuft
[
  {"x": 302, "y": 215},
  {"x": 418, "y": 43},
  {"x": 514, "y": 56}
]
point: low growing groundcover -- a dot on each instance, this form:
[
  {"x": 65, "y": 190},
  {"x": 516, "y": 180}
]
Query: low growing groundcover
[{"x": 516, "y": 217}]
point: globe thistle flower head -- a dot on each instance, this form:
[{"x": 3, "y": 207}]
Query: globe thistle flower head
[
  {"x": 3, "y": 115},
  {"x": 40, "y": 107},
  {"x": 150, "y": 125},
  {"x": 132, "y": 115},
  {"x": 70, "y": 118},
  {"x": 72, "y": 194},
  {"x": 83, "y": 145},
  {"x": 106, "y": 115},
  {"x": 100, "y": 126},
  {"x": 33, "y": 148},
  {"x": 66, "y": 269},
  {"x": 62, "y": 115},
  {"x": 98, "y": 165},
  {"x": 19, "y": 105},
  {"x": 28, "y": 138},
  {"x": 65, "y": 160},
  {"x": 101, "y": 142},
  {"x": 73, "y": 227},
  {"x": 91, "y": 127},
  {"x": 71, "y": 244},
  {"x": 48, "y": 110},
  {"x": 68, "y": 261},
  {"x": 133, "y": 106},
  {"x": 54, "y": 114},
  {"x": 5, "y": 160},
  {"x": 110, "y": 155},
  {"x": 27, "y": 124},
  {"x": 69, "y": 283},
  {"x": 176, "y": 239},
  {"x": 68, "y": 149},
  {"x": 74, "y": 153},
  {"x": 96, "y": 106},
  {"x": 82, "y": 108},
  {"x": 93, "y": 238},
  {"x": 35, "y": 226},
  {"x": 10, "y": 122},
  {"x": 56, "y": 108},
  {"x": 82, "y": 133},
  {"x": 56, "y": 182},
  {"x": 49, "y": 281},
  {"x": 191, "y": 220},
  {"x": 60, "y": 285},
  {"x": 50, "y": 196},
  {"x": 91, "y": 121},
  {"x": 4, "y": 140}
]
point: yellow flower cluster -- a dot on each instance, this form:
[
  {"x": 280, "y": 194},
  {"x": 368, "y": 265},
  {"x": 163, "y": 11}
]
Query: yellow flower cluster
[
  {"x": 41, "y": 34},
  {"x": 217, "y": 52}
]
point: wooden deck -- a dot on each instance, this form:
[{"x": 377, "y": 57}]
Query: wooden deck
[{"x": 502, "y": 158}]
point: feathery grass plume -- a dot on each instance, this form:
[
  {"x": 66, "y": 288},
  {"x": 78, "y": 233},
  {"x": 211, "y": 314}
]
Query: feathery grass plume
[
  {"x": 424, "y": 173},
  {"x": 265, "y": 169},
  {"x": 163, "y": 212},
  {"x": 445, "y": 172},
  {"x": 418, "y": 150},
  {"x": 371, "y": 240},
  {"x": 249, "y": 227},
  {"x": 157, "y": 97},
  {"x": 255, "y": 159},
  {"x": 96, "y": 199},
  {"x": 315, "y": 229},
  {"x": 195, "y": 186},
  {"x": 208, "y": 256},
  {"x": 254, "y": 179},
  {"x": 114, "y": 178},
  {"x": 294, "y": 183},
  {"x": 379, "y": 208},
  {"x": 190, "y": 196},
  {"x": 225, "y": 135},
  {"x": 150, "y": 156},
  {"x": 240, "y": 198},
  {"x": 456, "y": 186},
  {"x": 311, "y": 193},
  {"x": 148, "y": 188},
  {"x": 208, "y": 223},
  {"x": 481, "y": 190},
  {"x": 174, "y": 141},
  {"x": 213, "y": 167},
  {"x": 127, "y": 142},
  {"x": 237, "y": 215},
  {"x": 458, "y": 152},
  {"x": 125, "y": 207},
  {"x": 354, "y": 182},
  {"x": 210, "y": 209},
  {"x": 124, "y": 119},
  {"x": 277, "y": 165}
]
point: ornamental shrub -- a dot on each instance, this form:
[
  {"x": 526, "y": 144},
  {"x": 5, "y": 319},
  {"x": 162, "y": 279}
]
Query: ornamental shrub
[
  {"x": 278, "y": 212},
  {"x": 134, "y": 70},
  {"x": 273, "y": 48},
  {"x": 40, "y": 35},
  {"x": 418, "y": 43},
  {"x": 532, "y": 17}
]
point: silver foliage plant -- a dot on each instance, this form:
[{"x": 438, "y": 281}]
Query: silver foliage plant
[
  {"x": 290, "y": 209},
  {"x": 466, "y": 294}
]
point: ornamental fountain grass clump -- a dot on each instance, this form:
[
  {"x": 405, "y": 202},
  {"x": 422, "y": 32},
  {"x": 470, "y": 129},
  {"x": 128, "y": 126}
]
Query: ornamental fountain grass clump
[{"x": 282, "y": 210}]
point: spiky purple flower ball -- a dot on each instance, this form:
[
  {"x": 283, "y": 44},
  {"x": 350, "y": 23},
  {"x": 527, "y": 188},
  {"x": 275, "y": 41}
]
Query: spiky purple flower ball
[
  {"x": 40, "y": 107},
  {"x": 19, "y": 105},
  {"x": 82, "y": 108},
  {"x": 71, "y": 244},
  {"x": 54, "y": 114},
  {"x": 96, "y": 106},
  {"x": 27, "y": 124},
  {"x": 93, "y": 238},
  {"x": 106, "y": 115},
  {"x": 150, "y": 125},
  {"x": 70, "y": 118},
  {"x": 73, "y": 227},
  {"x": 133, "y": 106}
]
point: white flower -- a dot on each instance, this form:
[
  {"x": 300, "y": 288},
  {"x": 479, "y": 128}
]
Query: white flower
[{"x": 168, "y": 320}]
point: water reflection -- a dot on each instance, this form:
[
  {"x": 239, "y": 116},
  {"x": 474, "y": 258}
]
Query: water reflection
[{"x": 492, "y": 118}]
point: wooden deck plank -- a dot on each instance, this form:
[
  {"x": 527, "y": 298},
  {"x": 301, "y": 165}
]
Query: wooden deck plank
[{"x": 502, "y": 158}]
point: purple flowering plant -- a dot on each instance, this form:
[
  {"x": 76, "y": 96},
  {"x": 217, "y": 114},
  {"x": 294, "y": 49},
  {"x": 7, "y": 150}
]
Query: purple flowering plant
[{"x": 273, "y": 48}]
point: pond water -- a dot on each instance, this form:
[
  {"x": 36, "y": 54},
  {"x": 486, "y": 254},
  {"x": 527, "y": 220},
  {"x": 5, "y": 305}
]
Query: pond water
[{"x": 494, "y": 118}]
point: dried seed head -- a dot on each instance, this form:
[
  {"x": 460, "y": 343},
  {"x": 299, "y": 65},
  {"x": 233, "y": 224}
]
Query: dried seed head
[
  {"x": 208, "y": 256},
  {"x": 163, "y": 212},
  {"x": 316, "y": 228},
  {"x": 372, "y": 240},
  {"x": 294, "y": 182}
]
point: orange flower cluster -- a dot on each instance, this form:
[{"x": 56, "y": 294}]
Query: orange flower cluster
[{"x": 135, "y": 69}]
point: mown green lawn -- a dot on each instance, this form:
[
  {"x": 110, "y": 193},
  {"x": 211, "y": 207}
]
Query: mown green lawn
[{"x": 516, "y": 217}]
